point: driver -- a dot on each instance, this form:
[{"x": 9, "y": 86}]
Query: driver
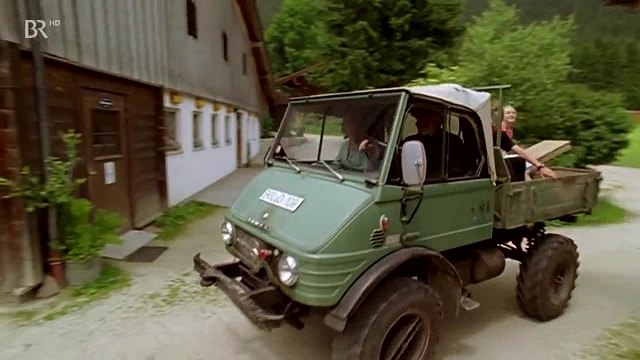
[{"x": 357, "y": 152}]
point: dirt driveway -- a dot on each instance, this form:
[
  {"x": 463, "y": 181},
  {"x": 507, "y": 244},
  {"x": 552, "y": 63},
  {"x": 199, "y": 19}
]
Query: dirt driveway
[{"x": 164, "y": 315}]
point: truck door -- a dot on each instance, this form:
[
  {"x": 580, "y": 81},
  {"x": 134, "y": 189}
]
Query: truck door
[{"x": 457, "y": 203}]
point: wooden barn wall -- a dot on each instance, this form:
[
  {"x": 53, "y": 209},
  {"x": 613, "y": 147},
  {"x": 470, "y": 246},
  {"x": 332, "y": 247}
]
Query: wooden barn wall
[
  {"x": 20, "y": 246},
  {"x": 65, "y": 83},
  {"x": 147, "y": 40}
]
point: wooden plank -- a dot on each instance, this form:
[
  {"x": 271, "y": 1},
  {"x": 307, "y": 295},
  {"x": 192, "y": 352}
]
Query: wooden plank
[{"x": 548, "y": 149}]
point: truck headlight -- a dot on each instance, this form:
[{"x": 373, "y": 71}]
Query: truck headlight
[
  {"x": 288, "y": 270},
  {"x": 228, "y": 232}
]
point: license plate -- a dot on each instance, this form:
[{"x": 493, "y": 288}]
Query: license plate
[{"x": 283, "y": 200}]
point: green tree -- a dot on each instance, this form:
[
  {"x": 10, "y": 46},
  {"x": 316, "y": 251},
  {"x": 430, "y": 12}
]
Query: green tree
[
  {"x": 296, "y": 37},
  {"x": 536, "y": 60},
  {"x": 604, "y": 37},
  {"x": 384, "y": 42}
]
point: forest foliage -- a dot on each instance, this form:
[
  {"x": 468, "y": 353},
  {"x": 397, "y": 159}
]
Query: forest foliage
[{"x": 573, "y": 64}]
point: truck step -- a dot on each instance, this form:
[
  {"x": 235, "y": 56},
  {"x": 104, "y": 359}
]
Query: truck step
[{"x": 468, "y": 303}]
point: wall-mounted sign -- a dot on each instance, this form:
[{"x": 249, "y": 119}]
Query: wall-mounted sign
[
  {"x": 109, "y": 173},
  {"x": 105, "y": 102}
]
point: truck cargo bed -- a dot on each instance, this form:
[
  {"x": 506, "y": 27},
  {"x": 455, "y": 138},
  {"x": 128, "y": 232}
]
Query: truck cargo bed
[{"x": 575, "y": 191}]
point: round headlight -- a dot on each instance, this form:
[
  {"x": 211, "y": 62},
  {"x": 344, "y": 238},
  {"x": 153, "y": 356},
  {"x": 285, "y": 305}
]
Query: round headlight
[
  {"x": 228, "y": 232},
  {"x": 288, "y": 270}
]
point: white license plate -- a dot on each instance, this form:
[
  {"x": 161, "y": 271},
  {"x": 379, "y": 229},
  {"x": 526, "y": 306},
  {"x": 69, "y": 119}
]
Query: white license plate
[{"x": 283, "y": 200}]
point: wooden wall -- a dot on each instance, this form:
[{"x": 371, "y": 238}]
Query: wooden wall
[
  {"x": 148, "y": 41},
  {"x": 21, "y": 263},
  {"x": 143, "y": 116}
]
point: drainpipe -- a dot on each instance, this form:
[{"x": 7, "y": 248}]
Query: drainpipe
[{"x": 34, "y": 11}]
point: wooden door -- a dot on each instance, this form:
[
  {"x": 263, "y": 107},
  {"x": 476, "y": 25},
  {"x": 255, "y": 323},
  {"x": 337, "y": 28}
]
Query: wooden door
[{"x": 107, "y": 155}]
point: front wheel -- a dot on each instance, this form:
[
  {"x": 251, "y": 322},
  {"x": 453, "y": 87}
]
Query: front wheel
[
  {"x": 547, "y": 277},
  {"x": 400, "y": 320}
]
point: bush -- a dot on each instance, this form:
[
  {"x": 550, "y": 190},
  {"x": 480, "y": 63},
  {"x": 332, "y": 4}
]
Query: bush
[
  {"x": 84, "y": 232},
  {"x": 535, "y": 60},
  {"x": 595, "y": 122},
  {"x": 267, "y": 126}
]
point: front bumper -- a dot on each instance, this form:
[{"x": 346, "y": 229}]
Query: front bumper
[{"x": 262, "y": 303}]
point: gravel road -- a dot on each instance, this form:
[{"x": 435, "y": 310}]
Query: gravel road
[{"x": 165, "y": 315}]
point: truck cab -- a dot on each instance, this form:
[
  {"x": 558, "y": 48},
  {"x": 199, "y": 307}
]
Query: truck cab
[{"x": 389, "y": 192}]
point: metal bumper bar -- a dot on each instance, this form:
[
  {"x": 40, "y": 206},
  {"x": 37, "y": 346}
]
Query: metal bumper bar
[{"x": 253, "y": 303}]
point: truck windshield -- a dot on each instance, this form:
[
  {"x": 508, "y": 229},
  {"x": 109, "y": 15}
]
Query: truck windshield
[{"x": 349, "y": 135}]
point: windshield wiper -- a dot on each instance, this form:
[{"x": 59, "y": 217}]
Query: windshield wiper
[
  {"x": 289, "y": 162},
  {"x": 340, "y": 177}
]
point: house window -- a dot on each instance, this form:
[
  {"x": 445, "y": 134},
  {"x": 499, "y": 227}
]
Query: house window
[
  {"x": 192, "y": 19},
  {"x": 227, "y": 129},
  {"x": 106, "y": 133},
  {"x": 197, "y": 133},
  {"x": 214, "y": 129},
  {"x": 225, "y": 51},
  {"x": 171, "y": 134},
  {"x": 244, "y": 63}
]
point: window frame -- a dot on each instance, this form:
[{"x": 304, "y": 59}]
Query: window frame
[
  {"x": 176, "y": 125},
  {"x": 214, "y": 119},
  {"x": 225, "y": 46},
  {"x": 192, "y": 19},
  {"x": 196, "y": 123},
  {"x": 476, "y": 124},
  {"x": 227, "y": 129},
  {"x": 442, "y": 109},
  {"x": 244, "y": 63}
]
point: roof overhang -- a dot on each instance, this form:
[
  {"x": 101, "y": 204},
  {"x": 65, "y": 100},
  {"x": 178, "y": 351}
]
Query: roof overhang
[
  {"x": 632, "y": 5},
  {"x": 252, "y": 22}
]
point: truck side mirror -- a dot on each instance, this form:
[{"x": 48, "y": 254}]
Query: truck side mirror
[{"x": 414, "y": 163}]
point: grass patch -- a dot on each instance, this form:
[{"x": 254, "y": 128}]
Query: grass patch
[
  {"x": 620, "y": 342},
  {"x": 605, "y": 212},
  {"x": 630, "y": 157},
  {"x": 178, "y": 291},
  {"x": 111, "y": 279},
  {"x": 176, "y": 218}
]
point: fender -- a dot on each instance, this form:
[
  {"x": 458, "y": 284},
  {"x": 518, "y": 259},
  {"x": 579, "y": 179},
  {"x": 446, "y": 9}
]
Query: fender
[{"x": 361, "y": 288}]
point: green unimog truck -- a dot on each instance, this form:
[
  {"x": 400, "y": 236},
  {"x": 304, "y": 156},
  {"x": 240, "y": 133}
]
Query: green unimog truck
[{"x": 381, "y": 233}]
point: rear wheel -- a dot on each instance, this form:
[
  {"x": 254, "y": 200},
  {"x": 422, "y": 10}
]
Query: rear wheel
[
  {"x": 547, "y": 277},
  {"x": 400, "y": 320}
]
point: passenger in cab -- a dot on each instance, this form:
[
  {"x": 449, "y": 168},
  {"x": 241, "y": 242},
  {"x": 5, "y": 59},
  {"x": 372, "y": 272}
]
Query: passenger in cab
[{"x": 431, "y": 135}]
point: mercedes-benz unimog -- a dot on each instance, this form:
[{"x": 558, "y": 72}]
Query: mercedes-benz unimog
[{"x": 380, "y": 226}]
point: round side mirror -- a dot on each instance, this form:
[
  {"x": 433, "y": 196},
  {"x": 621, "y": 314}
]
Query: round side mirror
[{"x": 414, "y": 163}]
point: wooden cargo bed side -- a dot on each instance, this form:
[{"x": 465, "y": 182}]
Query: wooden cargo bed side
[{"x": 527, "y": 202}]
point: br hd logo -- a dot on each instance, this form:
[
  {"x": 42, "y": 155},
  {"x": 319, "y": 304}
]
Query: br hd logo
[{"x": 34, "y": 27}]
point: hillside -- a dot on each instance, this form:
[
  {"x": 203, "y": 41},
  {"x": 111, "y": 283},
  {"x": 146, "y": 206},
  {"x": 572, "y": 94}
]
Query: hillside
[{"x": 593, "y": 20}]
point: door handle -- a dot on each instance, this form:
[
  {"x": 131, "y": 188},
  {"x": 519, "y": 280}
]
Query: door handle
[{"x": 92, "y": 173}]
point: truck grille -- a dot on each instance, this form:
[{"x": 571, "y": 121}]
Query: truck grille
[
  {"x": 377, "y": 238},
  {"x": 247, "y": 246}
]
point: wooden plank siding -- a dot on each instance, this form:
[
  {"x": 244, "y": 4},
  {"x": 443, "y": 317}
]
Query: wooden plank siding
[
  {"x": 147, "y": 41},
  {"x": 20, "y": 246},
  {"x": 143, "y": 117}
]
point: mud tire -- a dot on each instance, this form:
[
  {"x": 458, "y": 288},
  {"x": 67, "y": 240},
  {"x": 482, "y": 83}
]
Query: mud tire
[
  {"x": 547, "y": 277},
  {"x": 398, "y": 305}
]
